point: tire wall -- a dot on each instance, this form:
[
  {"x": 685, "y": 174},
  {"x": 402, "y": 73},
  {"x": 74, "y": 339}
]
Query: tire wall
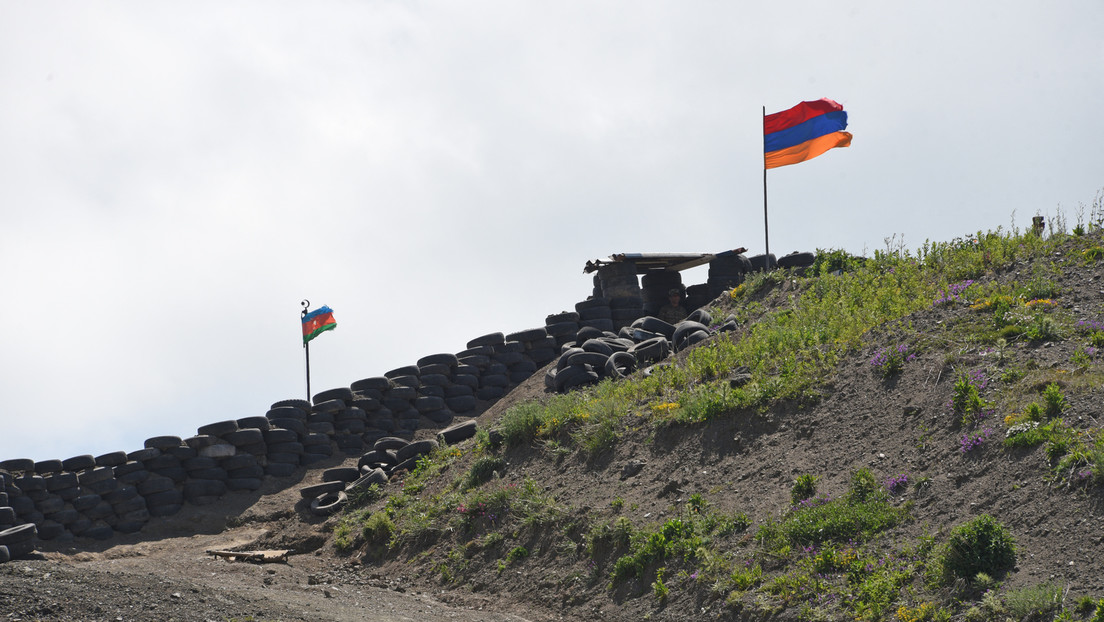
[{"x": 98, "y": 497}]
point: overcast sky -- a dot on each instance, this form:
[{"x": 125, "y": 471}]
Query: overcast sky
[{"x": 176, "y": 177}]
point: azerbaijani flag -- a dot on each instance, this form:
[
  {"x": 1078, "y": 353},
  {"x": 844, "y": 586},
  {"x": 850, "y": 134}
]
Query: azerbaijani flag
[
  {"x": 317, "y": 322},
  {"x": 803, "y": 132}
]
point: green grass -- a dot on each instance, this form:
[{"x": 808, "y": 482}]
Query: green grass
[
  {"x": 826, "y": 557},
  {"x": 859, "y": 515}
]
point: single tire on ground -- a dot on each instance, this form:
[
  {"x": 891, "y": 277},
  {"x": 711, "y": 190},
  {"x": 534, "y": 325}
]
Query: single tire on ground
[
  {"x": 310, "y": 492},
  {"x": 328, "y": 504}
]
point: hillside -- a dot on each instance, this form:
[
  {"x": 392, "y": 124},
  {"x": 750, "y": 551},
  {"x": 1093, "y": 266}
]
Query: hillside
[{"x": 906, "y": 437}]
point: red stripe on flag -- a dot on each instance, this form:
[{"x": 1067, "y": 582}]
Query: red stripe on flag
[{"x": 798, "y": 114}]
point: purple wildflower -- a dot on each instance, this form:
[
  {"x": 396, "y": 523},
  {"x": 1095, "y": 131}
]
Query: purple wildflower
[
  {"x": 971, "y": 442},
  {"x": 895, "y": 483}
]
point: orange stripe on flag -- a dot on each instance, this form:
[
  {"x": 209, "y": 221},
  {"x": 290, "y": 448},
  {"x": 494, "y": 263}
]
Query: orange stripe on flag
[{"x": 807, "y": 150}]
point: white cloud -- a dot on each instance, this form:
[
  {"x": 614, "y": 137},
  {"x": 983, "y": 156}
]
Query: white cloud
[{"x": 175, "y": 179}]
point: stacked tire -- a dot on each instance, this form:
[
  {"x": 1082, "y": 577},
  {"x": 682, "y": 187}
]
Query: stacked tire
[
  {"x": 16, "y": 540},
  {"x": 798, "y": 261},
  {"x": 726, "y": 271},
  {"x": 562, "y": 326},
  {"x": 595, "y": 313},
  {"x": 595, "y": 355},
  {"x": 390, "y": 456}
]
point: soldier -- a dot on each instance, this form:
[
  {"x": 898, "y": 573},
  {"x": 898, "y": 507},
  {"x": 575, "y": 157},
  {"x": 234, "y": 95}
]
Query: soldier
[{"x": 673, "y": 312}]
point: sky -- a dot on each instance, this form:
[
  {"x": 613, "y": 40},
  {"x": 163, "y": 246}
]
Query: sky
[{"x": 176, "y": 178}]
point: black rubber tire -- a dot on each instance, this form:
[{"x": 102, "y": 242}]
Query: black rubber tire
[
  {"x": 597, "y": 345},
  {"x": 327, "y": 406},
  {"x": 652, "y": 350},
  {"x": 45, "y": 467},
  {"x": 594, "y": 359},
  {"x": 13, "y": 465},
  {"x": 154, "y": 483},
  {"x": 797, "y": 259},
  {"x": 427, "y": 404},
  {"x": 390, "y": 442},
  {"x": 442, "y": 359},
  {"x": 196, "y": 488},
  {"x": 700, "y": 316},
  {"x": 19, "y": 533},
  {"x": 247, "y": 436},
  {"x": 61, "y": 481},
  {"x": 562, "y": 317},
  {"x": 293, "y": 403},
  {"x": 218, "y": 428},
  {"x": 417, "y": 448},
  {"x": 164, "y": 442},
  {"x": 590, "y": 303},
  {"x": 95, "y": 474},
  {"x": 261, "y": 423},
  {"x": 310, "y": 492},
  {"x": 566, "y": 356},
  {"x": 695, "y": 338},
  {"x": 550, "y": 378},
  {"x": 378, "y": 383},
  {"x": 763, "y": 263},
  {"x": 275, "y": 436},
  {"x": 573, "y": 376},
  {"x": 461, "y": 403},
  {"x": 458, "y": 432},
  {"x": 683, "y": 330},
  {"x": 18, "y": 550},
  {"x": 329, "y": 503},
  {"x": 287, "y": 412},
  {"x": 374, "y": 476},
  {"x": 344, "y": 394},
  {"x": 111, "y": 459},
  {"x": 79, "y": 463},
  {"x": 595, "y": 313},
  {"x": 620, "y": 364},
  {"x": 500, "y": 381},
  {"x": 655, "y": 325},
  {"x": 487, "y": 340},
  {"x": 470, "y": 381}
]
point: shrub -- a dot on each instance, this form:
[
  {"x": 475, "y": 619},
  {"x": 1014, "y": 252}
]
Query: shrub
[
  {"x": 864, "y": 486},
  {"x": 483, "y": 470},
  {"x": 378, "y": 529},
  {"x": 516, "y": 554},
  {"x": 1053, "y": 400},
  {"x": 1099, "y": 615},
  {"x": 979, "y": 545},
  {"x": 803, "y": 488}
]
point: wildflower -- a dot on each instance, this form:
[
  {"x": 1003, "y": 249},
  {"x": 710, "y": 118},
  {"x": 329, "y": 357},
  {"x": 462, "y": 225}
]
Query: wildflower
[
  {"x": 1041, "y": 303},
  {"x": 896, "y": 482},
  {"x": 970, "y": 442}
]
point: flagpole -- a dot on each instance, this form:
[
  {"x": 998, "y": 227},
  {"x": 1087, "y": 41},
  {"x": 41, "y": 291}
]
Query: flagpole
[
  {"x": 306, "y": 349},
  {"x": 766, "y": 234}
]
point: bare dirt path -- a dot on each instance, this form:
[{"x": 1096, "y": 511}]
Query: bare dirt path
[{"x": 166, "y": 573}]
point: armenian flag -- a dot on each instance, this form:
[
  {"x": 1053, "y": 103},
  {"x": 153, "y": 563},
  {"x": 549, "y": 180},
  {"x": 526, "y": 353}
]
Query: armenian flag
[
  {"x": 803, "y": 132},
  {"x": 317, "y": 322}
]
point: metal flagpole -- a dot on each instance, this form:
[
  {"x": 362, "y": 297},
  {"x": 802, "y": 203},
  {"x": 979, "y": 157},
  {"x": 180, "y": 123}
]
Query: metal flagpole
[
  {"x": 306, "y": 349},
  {"x": 766, "y": 234}
]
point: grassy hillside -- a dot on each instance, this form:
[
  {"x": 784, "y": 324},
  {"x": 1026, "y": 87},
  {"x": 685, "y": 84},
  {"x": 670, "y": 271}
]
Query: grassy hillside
[{"x": 900, "y": 437}]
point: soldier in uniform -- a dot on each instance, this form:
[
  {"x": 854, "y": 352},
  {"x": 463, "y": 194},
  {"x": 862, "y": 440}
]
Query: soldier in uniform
[{"x": 673, "y": 312}]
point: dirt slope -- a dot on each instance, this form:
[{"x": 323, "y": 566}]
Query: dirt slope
[{"x": 745, "y": 462}]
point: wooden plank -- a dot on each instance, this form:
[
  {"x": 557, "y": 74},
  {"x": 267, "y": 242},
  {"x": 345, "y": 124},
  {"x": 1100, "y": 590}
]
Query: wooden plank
[{"x": 263, "y": 557}]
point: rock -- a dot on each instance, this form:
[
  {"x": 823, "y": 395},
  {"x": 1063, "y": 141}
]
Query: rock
[{"x": 632, "y": 468}]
